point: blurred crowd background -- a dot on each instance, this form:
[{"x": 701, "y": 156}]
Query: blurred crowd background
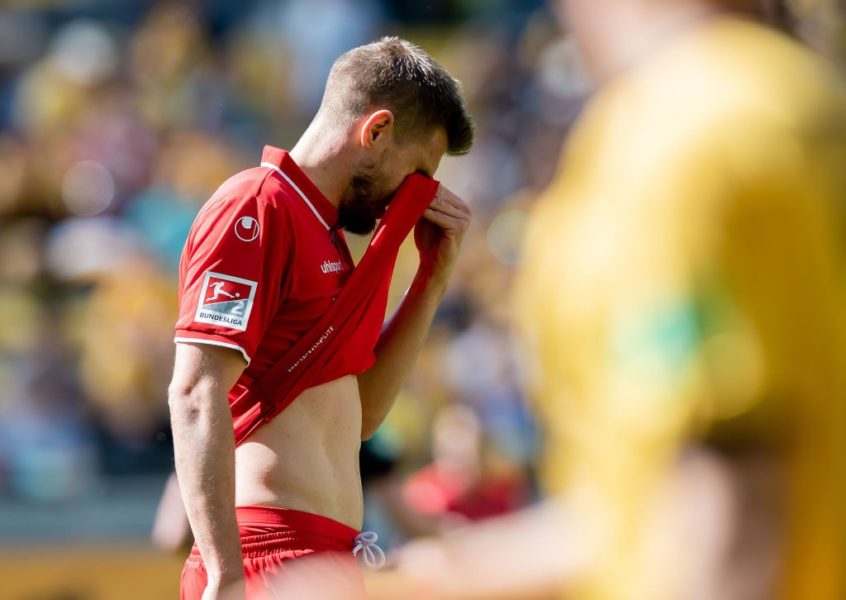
[{"x": 119, "y": 119}]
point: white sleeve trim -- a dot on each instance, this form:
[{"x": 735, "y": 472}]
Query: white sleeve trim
[{"x": 185, "y": 340}]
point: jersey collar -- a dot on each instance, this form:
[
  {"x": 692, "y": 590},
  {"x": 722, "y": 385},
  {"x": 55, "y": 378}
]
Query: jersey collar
[{"x": 281, "y": 160}]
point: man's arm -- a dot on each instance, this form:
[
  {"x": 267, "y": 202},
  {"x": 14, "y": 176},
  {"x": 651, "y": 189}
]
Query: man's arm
[
  {"x": 525, "y": 555},
  {"x": 438, "y": 237},
  {"x": 204, "y": 447}
]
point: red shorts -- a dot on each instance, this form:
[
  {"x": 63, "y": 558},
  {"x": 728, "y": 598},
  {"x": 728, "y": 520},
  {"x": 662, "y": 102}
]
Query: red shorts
[{"x": 270, "y": 537}]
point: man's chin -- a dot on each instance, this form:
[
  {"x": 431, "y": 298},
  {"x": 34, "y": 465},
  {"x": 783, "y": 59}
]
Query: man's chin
[{"x": 361, "y": 226}]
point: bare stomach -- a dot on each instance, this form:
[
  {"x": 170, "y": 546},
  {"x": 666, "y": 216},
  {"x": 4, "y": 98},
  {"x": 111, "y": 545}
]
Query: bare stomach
[{"x": 307, "y": 457}]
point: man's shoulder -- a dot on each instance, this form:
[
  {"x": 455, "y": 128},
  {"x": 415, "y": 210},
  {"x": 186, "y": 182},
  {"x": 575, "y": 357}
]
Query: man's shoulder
[
  {"x": 736, "y": 76},
  {"x": 699, "y": 108},
  {"x": 251, "y": 187}
]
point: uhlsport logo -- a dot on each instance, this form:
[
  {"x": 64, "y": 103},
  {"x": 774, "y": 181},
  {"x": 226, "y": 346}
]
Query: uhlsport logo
[
  {"x": 330, "y": 266},
  {"x": 225, "y": 301},
  {"x": 247, "y": 229}
]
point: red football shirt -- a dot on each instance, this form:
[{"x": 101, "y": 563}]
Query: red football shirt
[{"x": 262, "y": 263}]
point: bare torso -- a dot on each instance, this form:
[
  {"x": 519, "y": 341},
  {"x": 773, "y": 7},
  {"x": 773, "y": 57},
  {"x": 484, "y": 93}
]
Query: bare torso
[{"x": 307, "y": 457}]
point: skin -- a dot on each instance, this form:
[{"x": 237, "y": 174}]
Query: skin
[
  {"x": 537, "y": 552},
  {"x": 307, "y": 457}
]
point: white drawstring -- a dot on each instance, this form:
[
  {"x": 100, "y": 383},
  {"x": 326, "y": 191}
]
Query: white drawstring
[{"x": 373, "y": 555}]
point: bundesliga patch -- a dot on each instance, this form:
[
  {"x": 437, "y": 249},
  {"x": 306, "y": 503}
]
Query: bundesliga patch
[{"x": 225, "y": 301}]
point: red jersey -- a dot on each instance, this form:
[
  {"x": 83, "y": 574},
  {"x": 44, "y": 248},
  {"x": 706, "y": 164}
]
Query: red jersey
[{"x": 262, "y": 263}]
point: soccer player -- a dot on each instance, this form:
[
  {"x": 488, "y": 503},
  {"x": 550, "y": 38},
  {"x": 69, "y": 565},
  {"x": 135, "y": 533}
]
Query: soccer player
[
  {"x": 265, "y": 263},
  {"x": 682, "y": 289},
  {"x": 694, "y": 243}
]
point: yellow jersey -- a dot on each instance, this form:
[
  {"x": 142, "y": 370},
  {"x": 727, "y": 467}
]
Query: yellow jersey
[{"x": 684, "y": 275}]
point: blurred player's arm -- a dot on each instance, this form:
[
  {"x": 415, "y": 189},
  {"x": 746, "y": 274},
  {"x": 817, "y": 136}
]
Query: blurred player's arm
[
  {"x": 438, "y": 236},
  {"x": 204, "y": 449},
  {"x": 526, "y": 555}
]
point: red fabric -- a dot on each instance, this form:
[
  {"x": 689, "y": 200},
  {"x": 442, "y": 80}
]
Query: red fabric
[
  {"x": 433, "y": 491},
  {"x": 342, "y": 341},
  {"x": 260, "y": 239},
  {"x": 270, "y": 537},
  {"x": 265, "y": 272}
]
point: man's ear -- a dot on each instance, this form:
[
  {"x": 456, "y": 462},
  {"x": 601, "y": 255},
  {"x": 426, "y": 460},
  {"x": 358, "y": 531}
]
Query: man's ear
[{"x": 375, "y": 127}]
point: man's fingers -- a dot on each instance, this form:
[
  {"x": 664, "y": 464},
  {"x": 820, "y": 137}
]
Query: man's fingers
[
  {"x": 448, "y": 197},
  {"x": 446, "y": 221},
  {"x": 456, "y": 210},
  {"x": 450, "y": 200},
  {"x": 450, "y": 204}
]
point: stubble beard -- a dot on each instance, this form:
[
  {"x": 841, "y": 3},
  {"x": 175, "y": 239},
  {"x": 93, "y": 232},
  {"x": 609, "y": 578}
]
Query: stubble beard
[{"x": 360, "y": 204}]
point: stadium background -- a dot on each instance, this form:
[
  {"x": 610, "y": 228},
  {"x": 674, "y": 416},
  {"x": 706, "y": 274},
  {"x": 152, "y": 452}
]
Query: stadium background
[{"x": 117, "y": 121}]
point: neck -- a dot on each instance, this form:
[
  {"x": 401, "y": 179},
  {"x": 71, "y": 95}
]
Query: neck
[
  {"x": 620, "y": 39},
  {"x": 321, "y": 154}
]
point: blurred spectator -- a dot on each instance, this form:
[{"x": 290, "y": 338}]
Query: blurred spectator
[
  {"x": 47, "y": 447},
  {"x": 81, "y": 58},
  {"x": 314, "y": 33},
  {"x": 468, "y": 480}
]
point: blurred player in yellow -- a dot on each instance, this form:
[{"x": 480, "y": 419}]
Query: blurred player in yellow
[
  {"x": 682, "y": 293},
  {"x": 683, "y": 284}
]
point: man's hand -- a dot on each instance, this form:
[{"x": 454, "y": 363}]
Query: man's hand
[
  {"x": 439, "y": 233},
  {"x": 220, "y": 589}
]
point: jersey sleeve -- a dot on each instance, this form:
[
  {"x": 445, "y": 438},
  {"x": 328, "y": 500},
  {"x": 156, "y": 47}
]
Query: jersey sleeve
[{"x": 231, "y": 272}]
